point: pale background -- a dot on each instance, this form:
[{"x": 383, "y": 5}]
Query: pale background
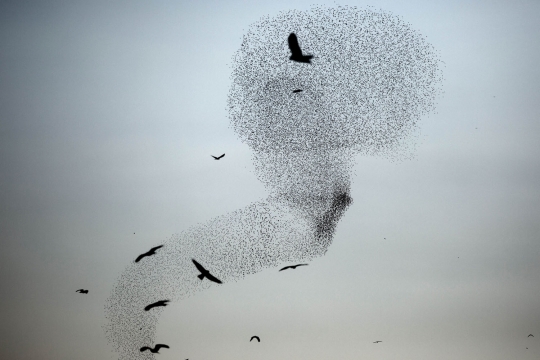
[{"x": 109, "y": 112}]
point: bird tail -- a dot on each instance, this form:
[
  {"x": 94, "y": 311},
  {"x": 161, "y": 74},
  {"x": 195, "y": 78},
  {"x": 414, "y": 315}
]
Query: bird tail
[{"x": 201, "y": 276}]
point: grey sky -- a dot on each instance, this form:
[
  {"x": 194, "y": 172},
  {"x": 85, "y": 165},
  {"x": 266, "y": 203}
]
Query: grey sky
[{"x": 109, "y": 114}]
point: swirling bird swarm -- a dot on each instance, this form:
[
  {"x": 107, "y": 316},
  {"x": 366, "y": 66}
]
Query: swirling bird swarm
[{"x": 370, "y": 81}]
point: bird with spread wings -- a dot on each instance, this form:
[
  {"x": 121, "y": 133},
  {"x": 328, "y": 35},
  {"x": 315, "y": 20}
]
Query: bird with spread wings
[
  {"x": 150, "y": 252},
  {"x": 155, "y": 349},
  {"x": 205, "y": 273},
  {"x": 292, "y": 266}
]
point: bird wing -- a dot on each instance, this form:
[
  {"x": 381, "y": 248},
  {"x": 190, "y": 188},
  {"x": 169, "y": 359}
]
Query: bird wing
[
  {"x": 80, "y": 290},
  {"x": 221, "y": 156},
  {"x": 293, "y": 45},
  {"x": 156, "y": 304},
  {"x": 214, "y": 157},
  {"x": 199, "y": 266},
  {"x": 145, "y": 348},
  {"x": 155, "y": 248},
  {"x": 285, "y": 268},
  {"x": 213, "y": 278},
  {"x": 140, "y": 257},
  {"x": 159, "y": 346}
]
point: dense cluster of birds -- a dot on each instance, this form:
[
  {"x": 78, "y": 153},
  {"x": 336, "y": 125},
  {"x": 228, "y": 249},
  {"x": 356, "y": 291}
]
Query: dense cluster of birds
[{"x": 310, "y": 89}]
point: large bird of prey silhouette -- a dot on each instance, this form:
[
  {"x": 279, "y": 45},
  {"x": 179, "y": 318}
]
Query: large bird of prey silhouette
[
  {"x": 205, "y": 273},
  {"x": 530, "y": 335},
  {"x": 292, "y": 267},
  {"x": 155, "y": 349},
  {"x": 82, "y": 291},
  {"x": 217, "y": 158},
  {"x": 255, "y": 337},
  {"x": 378, "y": 341},
  {"x": 296, "y": 52},
  {"x": 150, "y": 252},
  {"x": 156, "y": 304}
]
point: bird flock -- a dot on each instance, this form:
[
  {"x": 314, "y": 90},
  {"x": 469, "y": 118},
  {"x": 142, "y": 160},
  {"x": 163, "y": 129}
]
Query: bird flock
[{"x": 309, "y": 91}]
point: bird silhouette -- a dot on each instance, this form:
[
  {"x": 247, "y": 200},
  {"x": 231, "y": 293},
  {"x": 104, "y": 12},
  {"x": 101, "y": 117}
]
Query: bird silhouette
[
  {"x": 530, "y": 335},
  {"x": 155, "y": 349},
  {"x": 150, "y": 252},
  {"x": 217, "y": 158},
  {"x": 296, "y": 52},
  {"x": 292, "y": 266},
  {"x": 378, "y": 341},
  {"x": 255, "y": 337},
  {"x": 205, "y": 273},
  {"x": 156, "y": 304},
  {"x": 297, "y": 91},
  {"x": 82, "y": 291}
]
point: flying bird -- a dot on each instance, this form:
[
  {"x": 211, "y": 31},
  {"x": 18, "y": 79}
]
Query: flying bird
[
  {"x": 205, "y": 273},
  {"x": 150, "y": 252},
  {"x": 82, "y": 291},
  {"x": 255, "y": 337},
  {"x": 292, "y": 266},
  {"x": 378, "y": 341},
  {"x": 217, "y": 158},
  {"x": 527, "y": 336},
  {"x": 155, "y": 349},
  {"x": 296, "y": 52},
  {"x": 297, "y": 91},
  {"x": 156, "y": 304}
]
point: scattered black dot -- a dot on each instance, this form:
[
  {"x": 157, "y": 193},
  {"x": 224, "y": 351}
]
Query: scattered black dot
[{"x": 371, "y": 80}]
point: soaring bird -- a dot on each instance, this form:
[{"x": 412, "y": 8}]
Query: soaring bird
[
  {"x": 378, "y": 341},
  {"x": 156, "y": 304},
  {"x": 292, "y": 266},
  {"x": 297, "y": 91},
  {"x": 296, "y": 52},
  {"x": 217, "y": 158},
  {"x": 205, "y": 273},
  {"x": 155, "y": 349},
  {"x": 527, "y": 336},
  {"x": 150, "y": 252},
  {"x": 255, "y": 337},
  {"x": 82, "y": 291}
]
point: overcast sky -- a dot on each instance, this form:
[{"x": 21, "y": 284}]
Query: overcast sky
[{"x": 109, "y": 112}]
